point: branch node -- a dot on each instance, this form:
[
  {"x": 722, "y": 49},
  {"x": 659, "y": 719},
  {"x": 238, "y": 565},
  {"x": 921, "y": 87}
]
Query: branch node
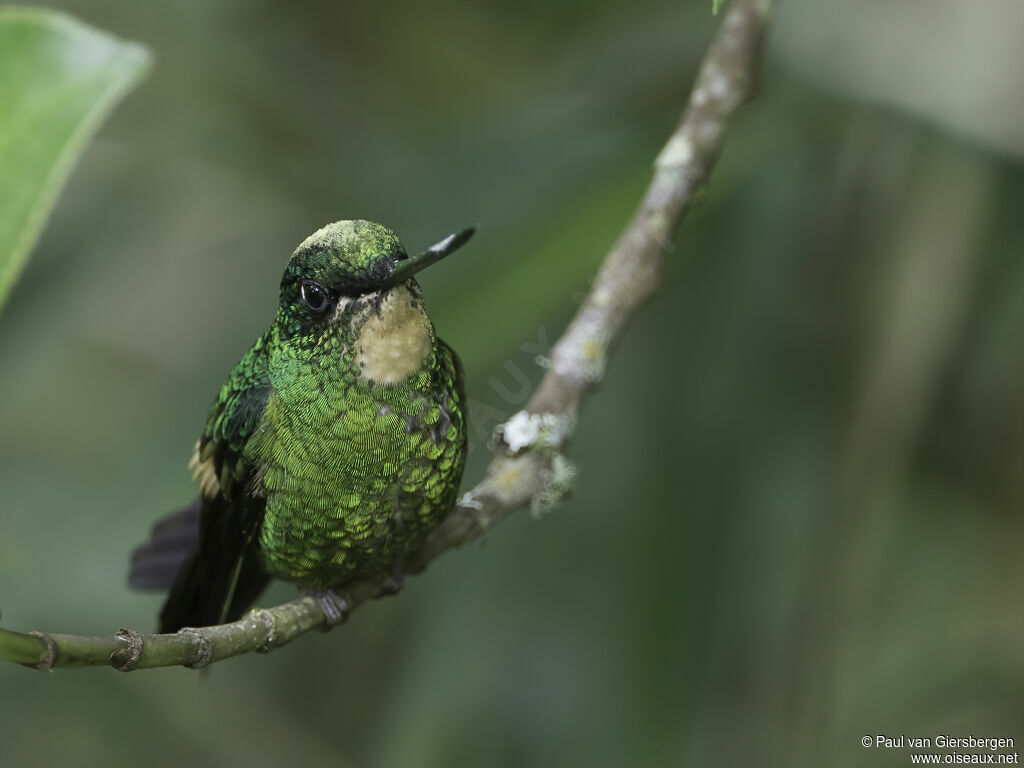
[
  {"x": 126, "y": 658},
  {"x": 51, "y": 651},
  {"x": 202, "y": 646}
]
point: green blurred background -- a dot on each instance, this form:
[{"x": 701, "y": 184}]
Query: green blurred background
[{"x": 798, "y": 514}]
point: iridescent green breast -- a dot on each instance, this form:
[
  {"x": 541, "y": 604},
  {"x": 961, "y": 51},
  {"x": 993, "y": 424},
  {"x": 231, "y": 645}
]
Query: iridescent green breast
[{"x": 354, "y": 470}]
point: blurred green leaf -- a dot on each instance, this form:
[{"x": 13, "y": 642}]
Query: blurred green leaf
[{"x": 58, "y": 80}]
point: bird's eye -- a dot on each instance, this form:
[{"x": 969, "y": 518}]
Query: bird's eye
[{"x": 315, "y": 296}]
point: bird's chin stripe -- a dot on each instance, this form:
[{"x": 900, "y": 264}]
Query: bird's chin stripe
[
  {"x": 340, "y": 309},
  {"x": 347, "y": 307},
  {"x": 351, "y": 307}
]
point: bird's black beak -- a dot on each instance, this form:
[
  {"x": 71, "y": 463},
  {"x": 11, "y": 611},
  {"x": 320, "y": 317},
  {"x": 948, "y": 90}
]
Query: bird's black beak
[{"x": 406, "y": 268}]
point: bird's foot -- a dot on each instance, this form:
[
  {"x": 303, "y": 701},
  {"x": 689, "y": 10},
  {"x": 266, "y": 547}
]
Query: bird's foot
[
  {"x": 391, "y": 584},
  {"x": 335, "y": 605}
]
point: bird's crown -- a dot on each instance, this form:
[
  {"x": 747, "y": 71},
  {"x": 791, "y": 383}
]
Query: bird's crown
[{"x": 348, "y": 258}]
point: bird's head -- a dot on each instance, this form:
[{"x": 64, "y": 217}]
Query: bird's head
[{"x": 346, "y": 266}]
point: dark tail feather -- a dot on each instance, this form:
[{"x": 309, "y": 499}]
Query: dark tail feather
[
  {"x": 199, "y": 592},
  {"x": 199, "y": 582},
  {"x": 156, "y": 563}
]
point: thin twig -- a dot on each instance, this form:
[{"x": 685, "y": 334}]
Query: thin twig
[{"x": 529, "y": 466}]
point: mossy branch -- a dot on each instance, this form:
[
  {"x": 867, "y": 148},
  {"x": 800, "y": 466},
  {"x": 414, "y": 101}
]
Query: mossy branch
[{"x": 529, "y": 467}]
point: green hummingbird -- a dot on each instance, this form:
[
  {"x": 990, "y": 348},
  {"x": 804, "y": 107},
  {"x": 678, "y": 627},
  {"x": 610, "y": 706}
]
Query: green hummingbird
[{"x": 334, "y": 447}]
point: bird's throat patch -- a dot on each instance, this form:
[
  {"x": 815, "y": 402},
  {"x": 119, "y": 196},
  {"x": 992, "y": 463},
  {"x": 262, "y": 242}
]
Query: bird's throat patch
[{"x": 395, "y": 340}]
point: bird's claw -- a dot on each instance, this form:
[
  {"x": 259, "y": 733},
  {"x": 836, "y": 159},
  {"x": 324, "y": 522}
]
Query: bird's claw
[
  {"x": 392, "y": 584},
  {"x": 335, "y": 606}
]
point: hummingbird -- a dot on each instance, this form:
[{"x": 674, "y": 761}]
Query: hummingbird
[{"x": 335, "y": 446}]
